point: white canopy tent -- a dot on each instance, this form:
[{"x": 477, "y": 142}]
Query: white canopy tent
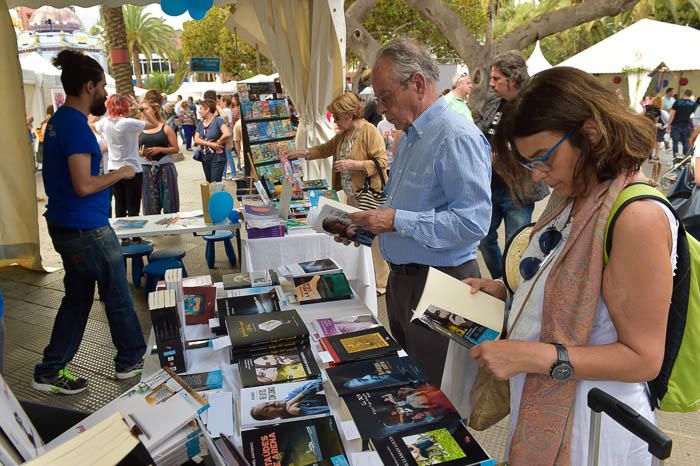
[
  {"x": 44, "y": 77},
  {"x": 261, "y": 78},
  {"x": 197, "y": 89},
  {"x": 309, "y": 52},
  {"x": 639, "y": 49},
  {"x": 537, "y": 61}
]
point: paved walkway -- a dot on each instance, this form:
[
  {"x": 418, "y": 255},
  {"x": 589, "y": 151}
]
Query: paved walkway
[{"x": 32, "y": 299}]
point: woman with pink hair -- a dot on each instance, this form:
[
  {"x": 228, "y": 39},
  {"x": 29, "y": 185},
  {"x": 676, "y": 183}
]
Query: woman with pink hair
[{"x": 121, "y": 133}]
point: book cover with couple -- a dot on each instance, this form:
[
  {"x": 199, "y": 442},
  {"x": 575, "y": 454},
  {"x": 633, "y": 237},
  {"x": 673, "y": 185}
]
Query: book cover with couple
[{"x": 333, "y": 219}]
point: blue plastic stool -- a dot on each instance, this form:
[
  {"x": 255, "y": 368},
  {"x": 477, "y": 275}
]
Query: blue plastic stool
[
  {"x": 135, "y": 252},
  {"x": 175, "y": 254},
  {"x": 155, "y": 271},
  {"x": 210, "y": 251}
]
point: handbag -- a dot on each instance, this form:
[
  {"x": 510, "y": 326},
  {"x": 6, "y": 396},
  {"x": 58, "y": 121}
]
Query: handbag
[
  {"x": 197, "y": 156},
  {"x": 367, "y": 198},
  {"x": 490, "y": 397}
]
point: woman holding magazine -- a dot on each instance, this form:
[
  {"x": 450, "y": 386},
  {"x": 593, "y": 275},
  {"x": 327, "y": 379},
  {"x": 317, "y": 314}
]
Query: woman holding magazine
[
  {"x": 575, "y": 324},
  {"x": 359, "y": 158}
]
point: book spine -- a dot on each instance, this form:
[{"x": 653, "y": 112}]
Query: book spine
[{"x": 330, "y": 349}]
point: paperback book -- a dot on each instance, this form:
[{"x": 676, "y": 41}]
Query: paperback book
[
  {"x": 448, "y": 442},
  {"x": 381, "y": 413},
  {"x": 375, "y": 374},
  {"x": 250, "y": 279},
  {"x": 356, "y": 346},
  {"x": 249, "y": 331},
  {"x": 308, "y": 268},
  {"x": 249, "y": 304},
  {"x": 200, "y": 304},
  {"x": 201, "y": 381},
  {"x": 277, "y": 403},
  {"x": 449, "y": 308},
  {"x": 330, "y": 326},
  {"x": 322, "y": 288},
  {"x": 333, "y": 219},
  {"x": 278, "y": 368},
  {"x": 309, "y": 442}
]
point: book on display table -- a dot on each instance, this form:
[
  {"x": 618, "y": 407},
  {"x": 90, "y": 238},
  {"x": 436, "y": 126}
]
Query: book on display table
[
  {"x": 381, "y": 413},
  {"x": 288, "y": 366},
  {"x": 310, "y": 442},
  {"x": 322, "y": 288},
  {"x": 366, "y": 344},
  {"x": 447, "y": 442},
  {"x": 315, "y": 267},
  {"x": 284, "y": 402},
  {"x": 330, "y": 326},
  {"x": 374, "y": 374},
  {"x": 251, "y": 279}
]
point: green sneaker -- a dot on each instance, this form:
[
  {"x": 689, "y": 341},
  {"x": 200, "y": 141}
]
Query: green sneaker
[
  {"x": 130, "y": 372},
  {"x": 63, "y": 383}
]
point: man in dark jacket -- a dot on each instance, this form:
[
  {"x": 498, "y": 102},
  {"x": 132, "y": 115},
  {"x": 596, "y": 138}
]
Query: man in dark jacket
[{"x": 508, "y": 75}]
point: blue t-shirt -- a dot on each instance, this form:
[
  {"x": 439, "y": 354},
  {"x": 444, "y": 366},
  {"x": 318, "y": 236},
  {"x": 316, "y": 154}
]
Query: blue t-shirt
[{"x": 67, "y": 133}]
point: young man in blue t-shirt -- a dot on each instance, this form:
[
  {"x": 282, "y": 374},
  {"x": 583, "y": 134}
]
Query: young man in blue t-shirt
[
  {"x": 77, "y": 214},
  {"x": 679, "y": 122}
]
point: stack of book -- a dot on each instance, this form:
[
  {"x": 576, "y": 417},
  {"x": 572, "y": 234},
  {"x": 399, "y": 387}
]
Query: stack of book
[
  {"x": 247, "y": 302},
  {"x": 258, "y": 335},
  {"x": 371, "y": 343},
  {"x": 235, "y": 281},
  {"x": 169, "y": 329},
  {"x": 263, "y": 221},
  {"x": 331, "y": 326}
]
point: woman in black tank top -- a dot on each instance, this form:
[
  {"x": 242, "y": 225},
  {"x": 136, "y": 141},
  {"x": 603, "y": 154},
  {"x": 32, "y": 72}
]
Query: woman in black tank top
[{"x": 157, "y": 144}]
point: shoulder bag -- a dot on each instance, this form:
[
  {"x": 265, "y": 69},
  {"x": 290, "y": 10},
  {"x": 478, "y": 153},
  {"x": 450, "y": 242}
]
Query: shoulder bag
[{"x": 367, "y": 198}]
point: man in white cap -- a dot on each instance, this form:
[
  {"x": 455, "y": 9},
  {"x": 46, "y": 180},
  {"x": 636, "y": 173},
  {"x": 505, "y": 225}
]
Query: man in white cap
[{"x": 461, "y": 88}]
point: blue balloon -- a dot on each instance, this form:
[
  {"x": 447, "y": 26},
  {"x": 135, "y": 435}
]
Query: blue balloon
[
  {"x": 220, "y": 206},
  {"x": 173, "y": 7},
  {"x": 233, "y": 216},
  {"x": 198, "y": 8},
  {"x": 196, "y": 13}
]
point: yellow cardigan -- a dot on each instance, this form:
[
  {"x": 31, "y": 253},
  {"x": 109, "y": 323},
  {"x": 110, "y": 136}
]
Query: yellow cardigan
[{"x": 368, "y": 146}]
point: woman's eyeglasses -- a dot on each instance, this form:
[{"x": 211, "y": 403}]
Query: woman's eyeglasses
[
  {"x": 539, "y": 162},
  {"x": 548, "y": 241}
]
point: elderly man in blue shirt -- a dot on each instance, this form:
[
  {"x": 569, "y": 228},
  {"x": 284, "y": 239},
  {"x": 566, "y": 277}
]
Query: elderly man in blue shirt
[{"x": 438, "y": 206}]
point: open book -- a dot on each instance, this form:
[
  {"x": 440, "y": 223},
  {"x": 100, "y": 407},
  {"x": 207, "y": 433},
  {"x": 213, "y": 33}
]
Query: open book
[
  {"x": 447, "y": 307},
  {"x": 332, "y": 219}
]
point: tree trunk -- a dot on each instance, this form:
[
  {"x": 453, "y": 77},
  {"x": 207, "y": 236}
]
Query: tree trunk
[
  {"x": 118, "y": 51},
  {"x": 137, "y": 66}
]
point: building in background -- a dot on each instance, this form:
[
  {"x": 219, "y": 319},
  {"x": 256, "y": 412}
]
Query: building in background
[{"x": 49, "y": 30}]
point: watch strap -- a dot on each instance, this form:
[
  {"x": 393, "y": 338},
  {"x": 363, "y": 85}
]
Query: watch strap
[{"x": 562, "y": 353}]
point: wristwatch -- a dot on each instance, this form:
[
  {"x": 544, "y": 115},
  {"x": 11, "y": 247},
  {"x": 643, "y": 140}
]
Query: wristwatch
[{"x": 562, "y": 369}]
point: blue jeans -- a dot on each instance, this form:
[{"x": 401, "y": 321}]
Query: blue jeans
[
  {"x": 503, "y": 207},
  {"x": 214, "y": 167},
  {"x": 91, "y": 256},
  {"x": 680, "y": 134},
  {"x": 229, "y": 160},
  {"x": 187, "y": 134}
]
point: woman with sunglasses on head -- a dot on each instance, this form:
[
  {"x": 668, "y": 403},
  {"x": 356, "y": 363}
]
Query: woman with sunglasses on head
[
  {"x": 574, "y": 323},
  {"x": 157, "y": 143}
]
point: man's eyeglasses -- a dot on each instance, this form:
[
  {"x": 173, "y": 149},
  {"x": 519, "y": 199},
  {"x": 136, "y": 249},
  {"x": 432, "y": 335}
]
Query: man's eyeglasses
[
  {"x": 539, "y": 162},
  {"x": 387, "y": 97},
  {"x": 548, "y": 241}
]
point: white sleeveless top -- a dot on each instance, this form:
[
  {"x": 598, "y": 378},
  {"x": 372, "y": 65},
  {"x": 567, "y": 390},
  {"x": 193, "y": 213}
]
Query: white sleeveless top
[{"x": 617, "y": 446}]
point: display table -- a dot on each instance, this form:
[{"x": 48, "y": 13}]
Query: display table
[
  {"x": 304, "y": 244},
  {"x": 206, "y": 359},
  {"x": 187, "y": 222}
]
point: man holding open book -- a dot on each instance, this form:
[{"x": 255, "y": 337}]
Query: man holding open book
[{"x": 438, "y": 197}]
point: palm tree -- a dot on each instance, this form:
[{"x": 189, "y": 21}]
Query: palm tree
[
  {"x": 146, "y": 34},
  {"x": 115, "y": 40}
]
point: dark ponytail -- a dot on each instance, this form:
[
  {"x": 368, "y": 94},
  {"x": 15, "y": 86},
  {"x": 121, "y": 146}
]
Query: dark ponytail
[{"x": 76, "y": 70}]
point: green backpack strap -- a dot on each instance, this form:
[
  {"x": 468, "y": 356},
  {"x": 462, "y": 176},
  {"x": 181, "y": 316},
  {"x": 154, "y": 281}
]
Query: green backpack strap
[{"x": 633, "y": 192}]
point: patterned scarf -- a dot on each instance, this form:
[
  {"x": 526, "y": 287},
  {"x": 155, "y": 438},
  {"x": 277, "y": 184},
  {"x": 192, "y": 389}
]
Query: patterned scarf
[{"x": 543, "y": 433}]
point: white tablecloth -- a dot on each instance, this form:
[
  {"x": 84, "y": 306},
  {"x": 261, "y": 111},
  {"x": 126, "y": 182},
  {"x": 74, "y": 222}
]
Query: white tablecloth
[
  {"x": 186, "y": 222},
  {"x": 306, "y": 245}
]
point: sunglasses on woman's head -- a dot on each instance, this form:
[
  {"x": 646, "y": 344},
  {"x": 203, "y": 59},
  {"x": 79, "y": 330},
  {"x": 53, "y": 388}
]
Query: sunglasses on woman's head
[{"x": 548, "y": 241}]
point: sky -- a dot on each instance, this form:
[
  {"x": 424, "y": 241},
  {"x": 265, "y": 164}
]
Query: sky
[{"x": 90, "y": 16}]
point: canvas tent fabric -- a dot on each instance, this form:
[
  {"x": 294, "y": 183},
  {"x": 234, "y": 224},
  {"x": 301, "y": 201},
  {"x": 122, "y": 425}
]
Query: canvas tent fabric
[
  {"x": 309, "y": 54},
  {"x": 641, "y": 46},
  {"x": 197, "y": 89},
  {"x": 537, "y": 61},
  {"x": 19, "y": 230}
]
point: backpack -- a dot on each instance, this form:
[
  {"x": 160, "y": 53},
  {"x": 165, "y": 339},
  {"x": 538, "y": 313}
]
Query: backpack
[{"x": 677, "y": 386}]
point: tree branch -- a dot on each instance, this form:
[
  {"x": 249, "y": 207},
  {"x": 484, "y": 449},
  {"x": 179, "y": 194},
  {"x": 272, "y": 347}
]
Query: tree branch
[
  {"x": 359, "y": 8},
  {"x": 358, "y": 39},
  {"x": 559, "y": 20},
  {"x": 452, "y": 27}
]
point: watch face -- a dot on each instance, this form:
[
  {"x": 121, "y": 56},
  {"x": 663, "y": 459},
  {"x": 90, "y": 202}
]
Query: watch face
[{"x": 562, "y": 371}]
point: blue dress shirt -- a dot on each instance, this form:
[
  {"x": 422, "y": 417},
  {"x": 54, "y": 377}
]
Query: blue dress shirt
[{"x": 440, "y": 187}]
